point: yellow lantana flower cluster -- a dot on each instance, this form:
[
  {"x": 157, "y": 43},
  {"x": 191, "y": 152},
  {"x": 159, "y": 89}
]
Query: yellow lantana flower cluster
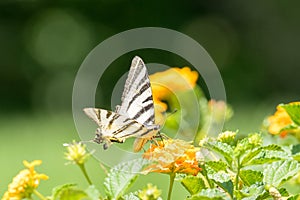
[
  {"x": 168, "y": 82},
  {"x": 24, "y": 184},
  {"x": 172, "y": 156},
  {"x": 150, "y": 193},
  {"x": 76, "y": 153}
]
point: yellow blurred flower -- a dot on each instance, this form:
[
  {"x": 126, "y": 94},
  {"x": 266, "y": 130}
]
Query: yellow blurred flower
[
  {"x": 172, "y": 156},
  {"x": 24, "y": 184},
  {"x": 280, "y": 120},
  {"x": 76, "y": 153},
  {"x": 165, "y": 83},
  {"x": 150, "y": 193},
  {"x": 227, "y": 136}
]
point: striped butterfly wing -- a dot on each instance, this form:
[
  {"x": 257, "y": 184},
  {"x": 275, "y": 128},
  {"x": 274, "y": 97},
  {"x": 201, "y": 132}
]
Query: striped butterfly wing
[
  {"x": 113, "y": 127},
  {"x": 137, "y": 101}
]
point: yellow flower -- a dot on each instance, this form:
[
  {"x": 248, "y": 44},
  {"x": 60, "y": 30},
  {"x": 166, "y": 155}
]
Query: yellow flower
[
  {"x": 150, "y": 193},
  {"x": 25, "y": 182},
  {"x": 172, "y": 156},
  {"x": 76, "y": 153},
  {"x": 166, "y": 83},
  {"x": 227, "y": 136},
  {"x": 279, "y": 120}
]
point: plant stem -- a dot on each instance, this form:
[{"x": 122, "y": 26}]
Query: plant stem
[
  {"x": 237, "y": 174},
  {"x": 172, "y": 177},
  {"x": 85, "y": 173},
  {"x": 39, "y": 195}
]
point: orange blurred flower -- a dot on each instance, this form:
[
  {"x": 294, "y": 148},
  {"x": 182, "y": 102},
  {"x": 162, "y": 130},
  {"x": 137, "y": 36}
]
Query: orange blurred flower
[
  {"x": 280, "y": 120},
  {"x": 165, "y": 83},
  {"x": 24, "y": 184},
  {"x": 172, "y": 156}
]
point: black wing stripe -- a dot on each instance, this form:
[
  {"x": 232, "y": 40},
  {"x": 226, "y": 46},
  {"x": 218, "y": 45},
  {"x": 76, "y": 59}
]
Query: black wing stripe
[
  {"x": 112, "y": 120},
  {"x": 149, "y": 98},
  {"x": 150, "y": 119},
  {"x": 143, "y": 110},
  {"x": 123, "y": 128},
  {"x": 134, "y": 132},
  {"x": 143, "y": 89},
  {"x": 108, "y": 114}
]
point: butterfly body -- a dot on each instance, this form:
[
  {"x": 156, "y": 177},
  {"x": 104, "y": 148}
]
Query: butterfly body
[{"x": 134, "y": 117}]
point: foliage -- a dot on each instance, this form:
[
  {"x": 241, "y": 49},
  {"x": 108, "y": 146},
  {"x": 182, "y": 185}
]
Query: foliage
[{"x": 223, "y": 166}]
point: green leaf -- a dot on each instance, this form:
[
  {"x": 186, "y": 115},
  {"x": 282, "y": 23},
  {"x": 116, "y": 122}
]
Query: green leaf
[
  {"x": 130, "y": 196},
  {"x": 121, "y": 176},
  {"x": 250, "y": 155},
  {"x": 296, "y": 149},
  {"x": 223, "y": 180},
  {"x": 193, "y": 184},
  {"x": 92, "y": 192},
  {"x": 265, "y": 195},
  {"x": 217, "y": 165},
  {"x": 273, "y": 147},
  {"x": 68, "y": 192},
  {"x": 293, "y": 197},
  {"x": 209, "y": 194},
  {"x": 251, "y": 192},
  {"x": 250, "y": 177},
  {"x": 293, "y": 111},
  {"x": 254, "y": 152},
  {"x": 267, "y": 156},
  {"x": 279, "y": 172},
  {"x": 222, "y": 148}
]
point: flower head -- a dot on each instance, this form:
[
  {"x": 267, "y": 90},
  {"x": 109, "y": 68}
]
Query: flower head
[
  {"x": 76, "y": 153},
  {"x": 227, "y": 137},
  {"x": 25, "y": 182},
  {"x": 165, "y": 83},
  {"x": 172, "y": 156},
  {"x": 150, "y": 193},
  {"x": 280, "y": 120}
]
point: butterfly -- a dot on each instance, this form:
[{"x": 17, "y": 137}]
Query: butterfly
[{"x": 134, "y": 117}]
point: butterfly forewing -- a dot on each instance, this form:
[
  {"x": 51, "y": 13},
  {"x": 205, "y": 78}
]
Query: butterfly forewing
[{"x": 137, "y": 101}]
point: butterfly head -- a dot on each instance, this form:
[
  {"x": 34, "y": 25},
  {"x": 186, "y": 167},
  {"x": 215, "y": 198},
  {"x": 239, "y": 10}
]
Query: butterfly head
[{"x": 99, "y": 138}]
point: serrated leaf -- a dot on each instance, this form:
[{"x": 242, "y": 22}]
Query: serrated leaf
[
  {"x": 293, "y": 111},
  {"x": 250, "y": 155},
  {"x": 68, "y": 192},
  {"x": 58, "y": 189},
  {"x": 223, "y": 180},
  {"x": 266, "y": 156},
  {"x": 222, "y": 148},
  {"x": 260, "y": 161},
  {"x": 250, "y": 177},
  {"x": 120, "y": 177},
  {"x": 209, "y": 194},
  {"x": 254, "y": 152},
  {"x": 217, "y": 165},
  {"x": 92, "y": 192},
  {"x": 251, "y": 192},
  {"x": 193, "y": 184},
  {"x": 130, "y": 196},
  {"x": 279, "y": 172}
]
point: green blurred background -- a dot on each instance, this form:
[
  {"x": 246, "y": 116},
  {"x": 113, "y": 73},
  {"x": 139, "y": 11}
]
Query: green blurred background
[{"x": 255, "y": 45}]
